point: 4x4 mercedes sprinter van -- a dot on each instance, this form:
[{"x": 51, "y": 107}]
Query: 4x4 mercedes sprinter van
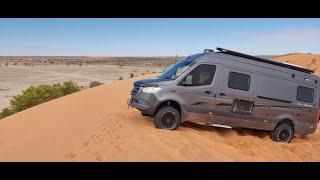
[{"x": 230, "y": 89}]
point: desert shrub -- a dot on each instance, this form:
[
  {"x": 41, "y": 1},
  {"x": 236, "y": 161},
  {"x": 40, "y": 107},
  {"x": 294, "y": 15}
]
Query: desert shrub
[
  {"x": 69, "y": 87},
  {"x": 6, "y": 64},
  {"x": 131, "y": 75},
  {"x": 120, "y": 78},
  {"x": 95, "y": 83},
  {"x": 15, "y": 63},
  {"x": 35, "y": 95},
  {"x": 5, "y": 112}
]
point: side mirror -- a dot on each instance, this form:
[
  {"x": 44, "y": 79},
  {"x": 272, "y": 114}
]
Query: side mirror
[{"x": 188, "y": 80}]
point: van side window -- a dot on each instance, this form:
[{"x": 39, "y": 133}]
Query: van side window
[
  {"x": 239, "y": 81},
  {"x": 305, "y": 94},
  {"x": 201, "y": 75}
]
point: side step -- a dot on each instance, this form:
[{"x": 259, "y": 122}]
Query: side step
[{"x": 222, "y": 126}]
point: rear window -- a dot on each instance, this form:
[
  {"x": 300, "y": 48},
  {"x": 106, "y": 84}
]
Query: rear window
[
  {"x": 305, "y": 94},
  {"x": 239, "y": 81}
]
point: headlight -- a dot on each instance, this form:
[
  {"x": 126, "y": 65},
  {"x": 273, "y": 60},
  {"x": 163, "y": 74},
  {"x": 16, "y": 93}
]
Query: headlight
[{"x": 150, "y": 89}]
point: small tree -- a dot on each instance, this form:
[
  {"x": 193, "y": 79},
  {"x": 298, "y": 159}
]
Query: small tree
[{"x": 131, "y": 75}]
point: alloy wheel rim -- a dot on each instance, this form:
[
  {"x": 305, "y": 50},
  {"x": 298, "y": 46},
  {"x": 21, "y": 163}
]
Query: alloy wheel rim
[{"x": 168, "y": 120}]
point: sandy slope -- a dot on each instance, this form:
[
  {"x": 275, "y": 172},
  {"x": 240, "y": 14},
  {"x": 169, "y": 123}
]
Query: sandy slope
[
  {"x": 310, "y": 61},
  {"x": 96, "y": 125}
]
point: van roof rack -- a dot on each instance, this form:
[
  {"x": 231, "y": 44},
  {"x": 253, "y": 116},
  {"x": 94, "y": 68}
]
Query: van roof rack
[{"x": 234, "y": 53}]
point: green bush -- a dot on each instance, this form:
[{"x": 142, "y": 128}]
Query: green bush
[
  {"x": 131, "y": 75},
  {"x": 120, "y": 78},
  {"x": 33, "y": 96},
  {"x": 5, "y": 112},
  {"x": 95, "y": 83}
]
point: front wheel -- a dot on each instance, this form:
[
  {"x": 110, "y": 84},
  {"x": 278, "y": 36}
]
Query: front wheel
[
  {"x": 167, "y": 118},
  {"x": 283, "y": 133}
]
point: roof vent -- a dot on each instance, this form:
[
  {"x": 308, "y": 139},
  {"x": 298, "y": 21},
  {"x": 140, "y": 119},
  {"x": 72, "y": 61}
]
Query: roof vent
[{"x": 208, "y": 51}]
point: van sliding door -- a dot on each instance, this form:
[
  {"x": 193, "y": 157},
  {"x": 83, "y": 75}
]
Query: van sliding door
[{"x": 235, "y": 99}]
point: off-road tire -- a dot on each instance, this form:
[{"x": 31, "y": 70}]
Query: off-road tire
[
  {"x": 283, "y": 133},
  {"x": 167, "y": 118}
]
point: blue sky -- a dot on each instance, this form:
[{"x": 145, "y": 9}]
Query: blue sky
[{"x": 156, "y": 37}]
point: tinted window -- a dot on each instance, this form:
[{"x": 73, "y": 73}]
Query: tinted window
[
  {"x": 305, "y": 94},
  {"x": 202, "y": 75},
  {"x": 182, "y": 65},
  {"x": 239, "y": 81}
]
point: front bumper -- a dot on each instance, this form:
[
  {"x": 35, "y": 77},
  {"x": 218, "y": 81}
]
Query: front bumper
[{"x": 144, "y": 102}]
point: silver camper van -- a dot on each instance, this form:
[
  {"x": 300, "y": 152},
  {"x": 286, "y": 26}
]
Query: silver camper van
[{"x": 232, "y": 90}]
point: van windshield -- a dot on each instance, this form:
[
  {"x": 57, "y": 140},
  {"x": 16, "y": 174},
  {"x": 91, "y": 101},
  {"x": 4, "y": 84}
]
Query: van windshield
[{"x": 175, "y": 70}]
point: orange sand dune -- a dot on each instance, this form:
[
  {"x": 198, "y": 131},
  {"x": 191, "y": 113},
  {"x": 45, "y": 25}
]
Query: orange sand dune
[
  {"x": 310, "y": 61},
  {"x": 96, "y": 125}
]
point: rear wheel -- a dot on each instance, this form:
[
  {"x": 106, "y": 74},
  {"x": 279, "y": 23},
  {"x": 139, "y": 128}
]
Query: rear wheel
[
  {"x": 283, "y": 133},
  {"x": 167, "y": 118}
]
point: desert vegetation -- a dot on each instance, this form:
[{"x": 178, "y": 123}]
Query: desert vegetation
[
  {"x": 83, "y": 60},
  {"x": 35, "y": 95},
  {"x": 94, "y": 84}
]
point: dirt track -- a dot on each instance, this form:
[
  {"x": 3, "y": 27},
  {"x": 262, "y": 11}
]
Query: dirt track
[{"x": 96, "y": 125}]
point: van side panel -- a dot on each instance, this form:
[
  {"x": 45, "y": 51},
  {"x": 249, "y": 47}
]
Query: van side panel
[{"x": 274, "y": 94}]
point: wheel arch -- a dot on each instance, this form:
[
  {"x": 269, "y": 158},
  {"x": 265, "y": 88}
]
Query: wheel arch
[
  {"x": 168, "y": 102},
  {"x": 287, "y": 121}
]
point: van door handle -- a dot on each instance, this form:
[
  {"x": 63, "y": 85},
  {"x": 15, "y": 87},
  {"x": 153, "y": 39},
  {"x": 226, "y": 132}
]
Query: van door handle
[
  {"x": 222, "y": 94},
  {"x": 208, "y": 92}
]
